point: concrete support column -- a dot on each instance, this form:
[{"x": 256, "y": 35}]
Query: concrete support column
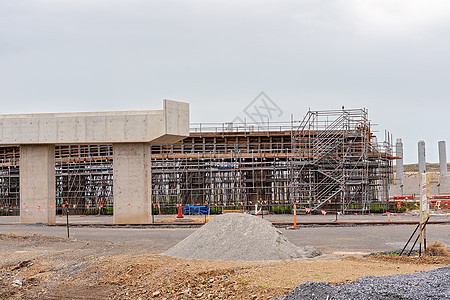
[
  {"x": 37, "y": 184},
  {"x": 442, "y": 158},
  {"x": 132, "y": 183},
  {"x": 422, "y": 159},
  {"x": 399, "y": 162}
]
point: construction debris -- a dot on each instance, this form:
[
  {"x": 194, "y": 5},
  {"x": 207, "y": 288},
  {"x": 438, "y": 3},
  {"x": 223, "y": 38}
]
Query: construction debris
[
  {"x": 23, "y": 264},
  {"x": 17, "y": 283}
]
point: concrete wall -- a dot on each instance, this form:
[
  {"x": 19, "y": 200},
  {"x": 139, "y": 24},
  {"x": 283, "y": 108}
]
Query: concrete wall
[
  {"x": 132, "y": 183},
  {"x": 444, "y": 185},
  {"x": 395, "y": 190},
  {"x": 37, "y": 184},
  {"x": 411, "y": 186},
  {"x": 169, "y": 124}
]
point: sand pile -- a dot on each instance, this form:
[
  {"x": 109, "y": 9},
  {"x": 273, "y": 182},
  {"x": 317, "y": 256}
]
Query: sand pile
[{"x": 239, "y": 237}]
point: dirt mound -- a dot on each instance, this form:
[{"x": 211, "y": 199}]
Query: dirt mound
[
  {"x": 239, "y": 237},
  {"x": 437, "y": 249}
]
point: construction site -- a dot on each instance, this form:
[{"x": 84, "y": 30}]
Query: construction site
[
  {"x": 91, "y": 208},
  {"x": 330, "y": 159},
  {"x": 257, "y": 150}
]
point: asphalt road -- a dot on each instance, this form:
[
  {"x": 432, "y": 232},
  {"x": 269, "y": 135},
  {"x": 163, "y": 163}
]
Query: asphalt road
[
  {"x": 329, "y": 217},
  {"x": 345, "y": 240}
]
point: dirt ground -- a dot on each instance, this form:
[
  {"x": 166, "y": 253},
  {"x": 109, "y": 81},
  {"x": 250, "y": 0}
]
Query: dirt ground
[{"x": 44, "y": 267}]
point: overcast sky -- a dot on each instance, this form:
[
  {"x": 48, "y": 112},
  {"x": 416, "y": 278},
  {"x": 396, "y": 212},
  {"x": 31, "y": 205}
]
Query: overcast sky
[{"x": 389, "y": 56}]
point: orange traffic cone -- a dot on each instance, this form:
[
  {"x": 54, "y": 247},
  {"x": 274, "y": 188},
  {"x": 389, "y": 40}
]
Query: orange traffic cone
[{"x": 180, "y": 212}]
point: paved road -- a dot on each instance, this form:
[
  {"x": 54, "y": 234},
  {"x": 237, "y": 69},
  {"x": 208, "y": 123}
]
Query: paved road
[
  {"x": 329, "y": 217},
  {"x": 328, "y": 239}
]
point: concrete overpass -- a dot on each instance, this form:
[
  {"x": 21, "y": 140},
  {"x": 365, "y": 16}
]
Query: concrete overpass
[{"x": 131, "y": 134}]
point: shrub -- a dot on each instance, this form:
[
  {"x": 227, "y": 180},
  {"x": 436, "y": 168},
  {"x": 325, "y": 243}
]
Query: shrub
[{"x": 437, "y": 249}]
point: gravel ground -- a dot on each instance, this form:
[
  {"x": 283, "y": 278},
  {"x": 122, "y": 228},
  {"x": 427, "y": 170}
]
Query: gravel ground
[
  {"x": 426, "y": 285},
  {"x": 45, "y": 267},
  {"x": 239, "y": 237}
]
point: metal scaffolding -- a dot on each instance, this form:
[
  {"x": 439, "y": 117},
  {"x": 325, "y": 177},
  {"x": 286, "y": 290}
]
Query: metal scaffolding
[
  {"x": 338, "y": 162},
  {"x": 84, "y": 178},
  {"x": 329, "y": 159},
  {"x": 226, "y": 166},
  {"x": 9, "y": 181}
]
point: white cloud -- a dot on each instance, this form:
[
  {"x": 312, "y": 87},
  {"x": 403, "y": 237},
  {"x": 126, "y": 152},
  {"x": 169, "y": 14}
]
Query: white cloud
[{"x": 397, "y": 17}]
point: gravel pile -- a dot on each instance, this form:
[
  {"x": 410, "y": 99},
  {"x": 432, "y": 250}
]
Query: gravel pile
[
  {"x": 239, "y": 237},
  {"x": 426, "y": 285}
]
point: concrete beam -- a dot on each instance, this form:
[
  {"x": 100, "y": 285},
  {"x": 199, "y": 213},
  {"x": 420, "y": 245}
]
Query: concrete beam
[
  {"x": 176, "y": 122},
  {"x": 132, "y": 183},
  {"x": 442, "y": 158},
  {"x": 167, "y": 125},
  {"x": 422, "y": 159},
  {"x": 37, "y": 184}
]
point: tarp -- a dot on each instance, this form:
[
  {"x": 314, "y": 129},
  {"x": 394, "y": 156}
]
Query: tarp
[{"x": 196, "y": 210}]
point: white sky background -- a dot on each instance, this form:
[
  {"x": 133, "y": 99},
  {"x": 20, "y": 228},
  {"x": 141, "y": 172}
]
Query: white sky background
[{"x": 389, "y": 56}]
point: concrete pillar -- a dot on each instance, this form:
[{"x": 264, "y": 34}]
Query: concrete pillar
[
  {"x": 399, "y": 162},
  {"x": 422, "y": 159},
  {"x": 37, "y": 184},
  {"x": 132, "y": 183},
  {"x": 442, "y": 158}
]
